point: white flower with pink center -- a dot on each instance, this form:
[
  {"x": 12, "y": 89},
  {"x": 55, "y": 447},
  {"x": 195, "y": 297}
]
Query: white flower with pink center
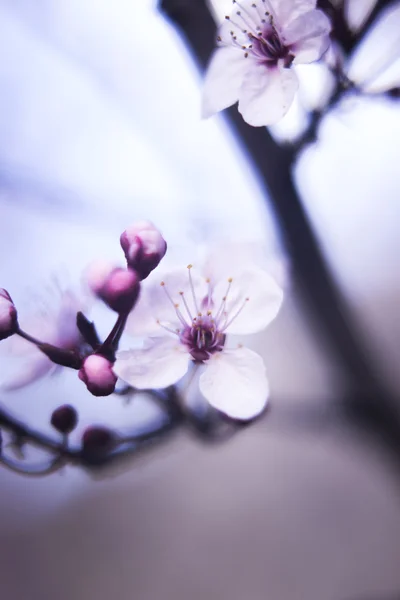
[
  {"x": 259, "y": 44},
  {"x": 189, "y": 317}
]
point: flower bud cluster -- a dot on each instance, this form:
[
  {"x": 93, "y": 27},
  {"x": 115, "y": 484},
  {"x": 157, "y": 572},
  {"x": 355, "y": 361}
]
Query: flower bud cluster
[{"x": 119, "y": 289}]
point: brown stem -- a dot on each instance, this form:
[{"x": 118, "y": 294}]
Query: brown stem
[{"x": 59, "y": 356}]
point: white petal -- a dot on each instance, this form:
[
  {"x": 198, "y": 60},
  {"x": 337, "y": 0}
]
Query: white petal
[
  {"x": 266, "y": 94},
  {"x": 223, "y": 79},
  {"x": 160, "y": 364},
  {"x": 226, "y": 259},
  {"x": 375, "y": 56},
  {"x": 155, "y": 305},
  {"x": 285, "y": 11},
  {"x": 357, "y": 12},
  {"x": 234, "y": 382},
  {"x": 264, "y": 301},
  {"x": 31, "y": 371},
  {"x": 308, "y": 36},
  {"x": 66, "y": 333}
]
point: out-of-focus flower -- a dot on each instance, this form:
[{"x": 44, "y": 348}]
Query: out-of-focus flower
[
  {"x": 97, "y": 374},
  {"x": 54, "y": 324},
  {"x": 8, "y": 315},
  {"x": 144, "y": 247},
  {"x": 118, "y": 288},
  {"x": 374, "y": 66},
  {"x": 194, "y": 314},
  {"x": 259, "y": 43}
]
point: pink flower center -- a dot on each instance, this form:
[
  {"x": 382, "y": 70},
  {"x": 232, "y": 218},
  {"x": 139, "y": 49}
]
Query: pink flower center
[
  {"x": 204, "y": 333},
  {"x": 264, "y": 42},
  {"x": 202, "y": 338}
]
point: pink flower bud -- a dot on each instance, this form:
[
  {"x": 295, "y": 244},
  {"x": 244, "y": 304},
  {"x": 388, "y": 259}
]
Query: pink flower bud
[
  {"x": 143, "y": 246},
  {"x": 8, "y": 315},
  {"x": 118, "y": 288},
  {"x": 96, "y": 372}
]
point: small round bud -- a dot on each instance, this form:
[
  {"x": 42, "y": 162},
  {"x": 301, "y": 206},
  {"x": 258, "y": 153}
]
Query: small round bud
[
  {"x": 97, "y": 442},
  {"x": 64, "y": 419},
  {"x": 118, "y": 288},
  {"x": 96, "y": 372},
  {"x": 144, "y": 247},
  {"x": 8, "y": 315}
]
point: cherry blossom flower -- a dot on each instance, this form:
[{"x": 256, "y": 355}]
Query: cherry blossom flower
[
  {"x": 54, "y": 323},
  {"x": 189, "y": 317},
  {"x": 259, "y": 44}
]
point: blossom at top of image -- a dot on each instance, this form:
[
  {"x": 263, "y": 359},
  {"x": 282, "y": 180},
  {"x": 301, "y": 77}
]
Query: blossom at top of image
[{"x": 259, "y": 43}]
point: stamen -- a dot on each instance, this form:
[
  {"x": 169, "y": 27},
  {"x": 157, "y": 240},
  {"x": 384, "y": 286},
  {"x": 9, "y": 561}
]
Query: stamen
[
  {"x": 180, "y": 315},
  {"x": 176, "y": 306},
  {"x": 192, "y": 289},
  {"x": 209, "y": 292},
  {"x": 174, "y": 331},
  {"x": 253, "y": 23},
  {"x": 239, "y": 27},
  {"x": 235, "y": 315},
  {"x": 254, "y": 5},
  {"x": 223, "y": 303},
  {"x": 269, "y": 13},
  {"x": 186, "y": 305}
]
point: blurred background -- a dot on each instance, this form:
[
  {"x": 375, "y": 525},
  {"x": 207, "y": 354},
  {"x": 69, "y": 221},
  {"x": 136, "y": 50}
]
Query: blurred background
[{"x": 100, "y": 126}]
